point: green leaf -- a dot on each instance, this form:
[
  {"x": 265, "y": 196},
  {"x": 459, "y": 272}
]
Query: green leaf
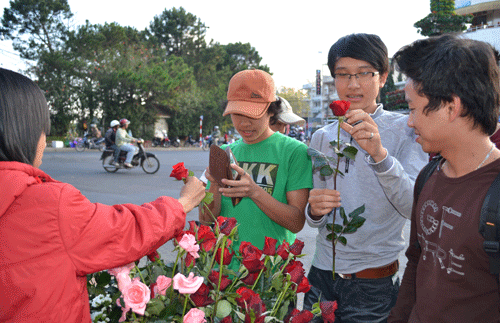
[
  {"x": 338, "y": 171},
  {"x": 329, "y": 227},
  {"x": 155, "y": 306},
  {"x": 333, "y": 143},
  {"x": 350, "y": 152},
  {"x": 329, "y": 237},
  {"x": 358, "y": 211},
  {"x": 326, "y": 171},
  {"x": 190, "y": 173},
  {"x": 315, "y": 153},
  {"x": 343, "y": 216},
  {"x": 209, "y": 197},
  {"x": 342, "y": 240},
  {"x": 357, "y": 221},
  {"x": 337, "y": 228},
  {"x": 332, "y": 160},
  {"x": 319, "y": 162}
]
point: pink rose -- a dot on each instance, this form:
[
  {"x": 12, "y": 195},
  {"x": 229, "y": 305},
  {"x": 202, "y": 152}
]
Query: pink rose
[
  {"x": 162, "y": 284},
  {"x": 187, "y": 285},
  {"x": 117, "y": 270},
  {"x": 188, "y": 243},
  {"x": 136, "y": 295},
  {"x": 194, "y": 316},
  {"x": 123, "y": 279}
]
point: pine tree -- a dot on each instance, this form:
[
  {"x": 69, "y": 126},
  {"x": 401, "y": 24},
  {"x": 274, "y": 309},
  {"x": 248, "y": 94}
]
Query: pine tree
[{"x": 442, "y": 19}]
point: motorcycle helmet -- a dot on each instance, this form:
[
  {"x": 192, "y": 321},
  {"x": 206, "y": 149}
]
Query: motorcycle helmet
[
  {"x": 93, "y": 125},
  {"x": 124, "y": 122},
  {"x": 114, "y": 123},
  {"x": 216, "y": 127}
]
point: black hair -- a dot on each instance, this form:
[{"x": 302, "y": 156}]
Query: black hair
[
  {"x": 447, "y": 66},
  {"x": 274, "y": 110},
  {"x": 24, "y": 116},
  {"x": 366, "y": 47}
]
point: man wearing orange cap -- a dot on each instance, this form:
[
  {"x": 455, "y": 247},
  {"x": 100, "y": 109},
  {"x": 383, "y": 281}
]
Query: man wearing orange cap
[{"x": 275, "y": 170}]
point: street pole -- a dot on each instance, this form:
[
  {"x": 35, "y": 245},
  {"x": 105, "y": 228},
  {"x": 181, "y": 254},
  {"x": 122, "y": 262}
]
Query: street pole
[{"x": 201, "y": 132}]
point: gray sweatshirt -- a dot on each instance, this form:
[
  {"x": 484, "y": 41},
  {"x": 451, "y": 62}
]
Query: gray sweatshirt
[{"x": 385, "y": 188}]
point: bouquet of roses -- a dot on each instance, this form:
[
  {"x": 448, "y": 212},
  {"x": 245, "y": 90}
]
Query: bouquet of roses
[{"x": 208, "y": 282}]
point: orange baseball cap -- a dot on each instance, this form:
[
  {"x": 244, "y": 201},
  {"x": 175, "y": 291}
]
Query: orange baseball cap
[{"x": 250, "y": 93}]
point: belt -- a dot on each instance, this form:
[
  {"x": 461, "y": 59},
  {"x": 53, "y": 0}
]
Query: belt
[{"x": 374, "y": 273}]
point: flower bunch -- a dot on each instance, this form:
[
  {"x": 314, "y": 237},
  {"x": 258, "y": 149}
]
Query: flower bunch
[
  {"x": 353, "y": 221},
  {"x": 210, "y": 281},
  {"x": 201, "y": 286}
]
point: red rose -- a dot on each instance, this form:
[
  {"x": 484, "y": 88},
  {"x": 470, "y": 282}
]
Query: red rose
[
  {"x": 339, "y": 108},
  {"x": 283, "y": 250},
  {"x": 227, "y": 254},
  {"x": 214, "y": 278},
  {"x": 179, "y": 171},
  {"x": 304, "y": 286},
  {"x": 152, "y": 288},
  {"x": 296, "y": 271},
  {"x": 227, "y": 319},
  {"x": 227, "y": 226},
  {"x": 206, "y": 238},
  {"x": 250, "y": 278},
  {"x": 328, "y": 311},
  {"x": 220, "y": 220},
  {"x": 200, "y": 298},
  {"x": 154, "y": 256},
  {"x": 270, "y": 246},
  {"x": 292, "y": 314},
  {"x": 246, "y": 296},
  {"x": 302, "y": 317},
  {"x": 190, "y": 260},
  {"x": 296, "y": 247},
  {"x": 251, "y": 257}
]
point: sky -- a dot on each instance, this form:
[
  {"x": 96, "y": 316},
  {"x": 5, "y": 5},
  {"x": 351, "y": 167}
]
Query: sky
[{"x": 293, "y": 38}]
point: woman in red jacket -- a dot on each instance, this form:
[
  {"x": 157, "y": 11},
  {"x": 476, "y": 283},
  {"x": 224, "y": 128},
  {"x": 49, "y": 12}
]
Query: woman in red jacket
[{"x": 51, "y": 236}]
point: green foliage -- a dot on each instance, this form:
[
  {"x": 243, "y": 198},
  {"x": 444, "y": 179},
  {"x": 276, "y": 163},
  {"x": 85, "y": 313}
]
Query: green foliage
[
  {"x": 297, "y": 99},
  {"x": 442, "y": 19},
  {"x": 106, "y": 72}
]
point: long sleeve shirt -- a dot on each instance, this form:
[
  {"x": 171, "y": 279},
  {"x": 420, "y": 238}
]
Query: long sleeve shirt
[{"x": 385, "y": 188}]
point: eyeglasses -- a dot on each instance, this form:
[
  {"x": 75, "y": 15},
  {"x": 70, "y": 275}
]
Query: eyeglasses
[{"x": 361, "y": 76}]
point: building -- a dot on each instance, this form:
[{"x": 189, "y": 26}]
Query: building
[
  {"x": 486, "y": 22},
  {"x": 319, "y": 103}
]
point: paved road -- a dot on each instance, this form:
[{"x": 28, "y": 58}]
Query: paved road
[{"x": 84, "y": 170}]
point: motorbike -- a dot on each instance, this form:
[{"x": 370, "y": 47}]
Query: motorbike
[
  {"x": 165, "y": 142},
  {"x": 191, "y": 142},
  {"x": 208, "y": 141},
  {"x": 89, "y": 143},
  {"x": 148, "y": 161}
]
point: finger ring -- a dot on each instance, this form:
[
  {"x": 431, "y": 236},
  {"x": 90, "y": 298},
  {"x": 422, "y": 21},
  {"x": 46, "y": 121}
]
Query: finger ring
[{"x": 371, "y": 135}]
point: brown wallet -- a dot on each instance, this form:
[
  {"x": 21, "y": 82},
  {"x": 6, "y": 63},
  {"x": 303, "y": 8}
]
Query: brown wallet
[{"x": 219, "y": 167}]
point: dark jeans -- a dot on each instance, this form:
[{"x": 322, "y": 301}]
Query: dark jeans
[{"x": 359, "y": 300}]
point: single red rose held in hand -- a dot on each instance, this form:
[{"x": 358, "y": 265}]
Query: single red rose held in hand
[
  {"x": 339, "y": 108},
  {"x": 179, "y": 171}
]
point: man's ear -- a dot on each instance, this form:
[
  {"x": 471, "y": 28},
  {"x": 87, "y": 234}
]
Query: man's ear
[
  {"x": 454, "y": 108},
  {"x": 383, "y": 79}
]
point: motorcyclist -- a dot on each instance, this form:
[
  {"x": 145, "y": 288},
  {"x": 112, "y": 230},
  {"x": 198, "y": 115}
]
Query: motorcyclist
[
  {"x": 124, "y": 140},
  {"x": 96, "y": 133},
  {"x": 215, "y": 135},
  {"x": 110, "y": 139}
]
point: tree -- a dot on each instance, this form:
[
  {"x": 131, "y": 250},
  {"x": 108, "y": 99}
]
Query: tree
[
  {"x": 45, "y": 23},
  {"x": 297, "y": 99},
  {"x": 181, "y": 33},
  {"x": 442, "y": 19}
]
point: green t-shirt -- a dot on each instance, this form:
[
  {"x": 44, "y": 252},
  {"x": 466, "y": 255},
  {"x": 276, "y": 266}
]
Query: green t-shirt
[{"x": 278, "y": 164}]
